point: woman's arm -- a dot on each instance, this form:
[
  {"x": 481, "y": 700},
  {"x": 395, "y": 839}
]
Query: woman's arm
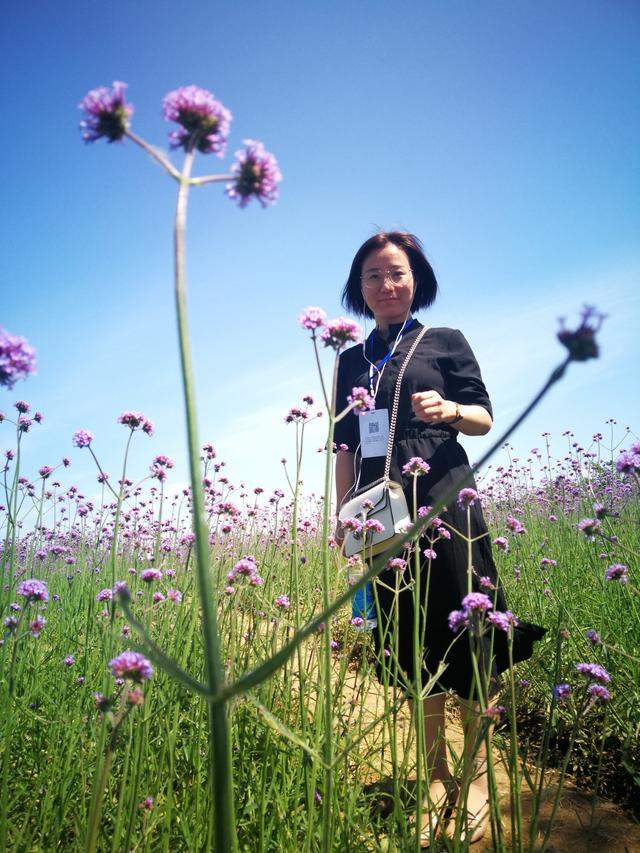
[
  {"x": 476, "y": 420},
  {"x": 344, "y": 481},
  {"x": 431, "y": 408}
]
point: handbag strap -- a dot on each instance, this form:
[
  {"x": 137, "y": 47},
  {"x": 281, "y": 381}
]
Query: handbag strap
[{"x": 396, "y": 401}]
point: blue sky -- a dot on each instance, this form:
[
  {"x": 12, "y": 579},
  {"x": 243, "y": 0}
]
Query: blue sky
[{"x": 503, "y": 134}]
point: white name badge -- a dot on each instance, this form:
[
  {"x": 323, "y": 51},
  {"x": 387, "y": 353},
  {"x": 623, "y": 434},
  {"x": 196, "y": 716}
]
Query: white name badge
[{"x": 374, "y": 433}]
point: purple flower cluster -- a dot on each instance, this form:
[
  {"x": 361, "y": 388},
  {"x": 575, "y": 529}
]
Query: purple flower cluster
[
  {"x": 628, "y": 462},
  {"x": 256, "y": 173},
  {"x": 136, "y": 420},
  {"x": 467, "y": 497},
  {"x": 361, "y": 400},
  {"x": 581, "y": 343},
  {"x": 338, "y": 333},
  {"x": 514, "y": 525},
  {"x": 82, "y": 438},
  {"x": 17, "y": 359},
  {"x": 33, "y": 590},
  {"x": 416, "y": 466},
  {"x": 107, "y": 112},
  {"x": 204, "y": 121},
  {"x": 312, "y": 318},
  {"x": 149, "y": 575},
  {"x": 589, "y": 526},
  {"x": 562, "y": 692},
  {"x": 594, "y": 672},
  {"x": 617, "y": 572},
  {"x": 131, "y": 665},
  {"x": 246, "y": 567},
  {"x": 476, "y": 606}
]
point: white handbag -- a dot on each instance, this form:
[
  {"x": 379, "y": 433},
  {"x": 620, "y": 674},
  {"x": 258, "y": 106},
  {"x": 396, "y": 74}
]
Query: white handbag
[{"x": 383, "y": 500}]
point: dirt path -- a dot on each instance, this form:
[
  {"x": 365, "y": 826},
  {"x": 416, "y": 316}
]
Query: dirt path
[{"x": 613, "y": 831}]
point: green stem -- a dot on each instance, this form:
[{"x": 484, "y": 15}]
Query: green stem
[
  {"x": 220, "y": 762},
  {"x": 327, "y": 752}
]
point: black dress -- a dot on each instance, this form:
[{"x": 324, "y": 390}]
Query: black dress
[{"x": 443, "y": 362}]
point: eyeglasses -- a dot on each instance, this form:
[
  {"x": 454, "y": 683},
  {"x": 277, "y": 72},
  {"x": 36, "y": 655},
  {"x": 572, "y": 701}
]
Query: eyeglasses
[{"x": 374, "y": 279}]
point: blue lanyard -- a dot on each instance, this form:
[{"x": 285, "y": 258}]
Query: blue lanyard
[{"x": 379, "y": 365}]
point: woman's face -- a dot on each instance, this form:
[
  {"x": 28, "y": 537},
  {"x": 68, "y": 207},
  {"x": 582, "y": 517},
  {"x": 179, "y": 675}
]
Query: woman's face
[{"x": 387, "y": 284}]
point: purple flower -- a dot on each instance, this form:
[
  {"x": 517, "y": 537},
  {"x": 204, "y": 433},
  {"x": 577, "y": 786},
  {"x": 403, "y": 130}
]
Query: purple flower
[
  {"x": 352, "y": 524},
  {"x": 372, "y": 524},
  {"x": 312, "y": 318},
  {"x": 599, "y": 693},
  {"x": 562, "y": 692},
  {"x": 397, "y": 564},
  {"x": 594, "y": 671},
  {"x": 357, "y": 621},
  {"x": 593, "y": 636},
  {"x": 295, "y": 414},
  {"x": 457, "y": 620},
  {"x": 158, "y": 597},
  {"x": 69, "y": 660},
  {"x": 33, "y": 590},
  {"x": 24, "y": 423},
  {"x": 36, "y": 625},
  {"x": 45, "y": 471},
  {"x": 547, "y": 561},
  {"x": 361, "y": 400},
  {"x": 82, "y": 438},
  {"x": 163, "y": 461},
  {"x": 416, "y": 466},
  {"x": 204, "y": 121},
  {"x": 174, "y": 595},
  {"x": 338, "y": 333},
  {"x": 581, "y": 343},
  {"x": 617, "y": 572},
  {"x": 589, "y": 526},
  {"x": 496, "y": 712},
  {"x": 501, "y": 620},
  {"x": 136, "y": 420},
  {"x": 146, "y": 804},
  {"x": 107, "y": 112},
  {"x": 104, "y": 595},
  {"x": 477, "y": 601},
  {"x": 502, "y": 543},
  {"x": 17, "y": 359},
  {"x": 256, "y": 173},
  {"x": 283, "y": 602},
  {"x": 514, "y": 525},
  {"x": 429, "y": 553},
  {"x": 131, "y": 665},
  {"x": 149, "y": 575},
  {"x": 467, "y": 497},
  {"x": 158, "y": 473},
  {"x": 627, "y": 463}
]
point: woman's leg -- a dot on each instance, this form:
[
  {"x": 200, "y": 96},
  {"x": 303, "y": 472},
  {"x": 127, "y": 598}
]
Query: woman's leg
[
  {"x": 442, "y": 788},
  {"x": 474, "y": 767},
  {"x": 434, "y": 736}
]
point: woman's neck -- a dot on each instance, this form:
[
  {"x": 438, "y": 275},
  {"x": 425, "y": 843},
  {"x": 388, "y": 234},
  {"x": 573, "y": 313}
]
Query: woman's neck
[{"x": 383, "y": 323}]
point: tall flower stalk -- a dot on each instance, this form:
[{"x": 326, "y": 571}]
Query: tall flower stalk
[{"x": 202, "y": 126}]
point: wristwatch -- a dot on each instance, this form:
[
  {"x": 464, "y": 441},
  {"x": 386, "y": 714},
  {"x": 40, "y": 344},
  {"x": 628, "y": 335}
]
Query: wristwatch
[{"x": 459, "y": 416}]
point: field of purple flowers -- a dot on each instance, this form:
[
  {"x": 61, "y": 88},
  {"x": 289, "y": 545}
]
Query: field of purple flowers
[
  {"x": 172, "y": 665},
  {"x": 77, "y": 698}
]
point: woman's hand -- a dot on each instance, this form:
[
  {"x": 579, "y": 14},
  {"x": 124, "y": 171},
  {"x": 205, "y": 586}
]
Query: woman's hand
[{"x": 430, "y": 407}]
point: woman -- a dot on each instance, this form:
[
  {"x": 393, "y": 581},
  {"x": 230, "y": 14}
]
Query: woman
[{"x": 442, "y": 394}]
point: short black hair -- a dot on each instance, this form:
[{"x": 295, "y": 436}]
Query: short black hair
[{"x": 426, "y": 285}]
